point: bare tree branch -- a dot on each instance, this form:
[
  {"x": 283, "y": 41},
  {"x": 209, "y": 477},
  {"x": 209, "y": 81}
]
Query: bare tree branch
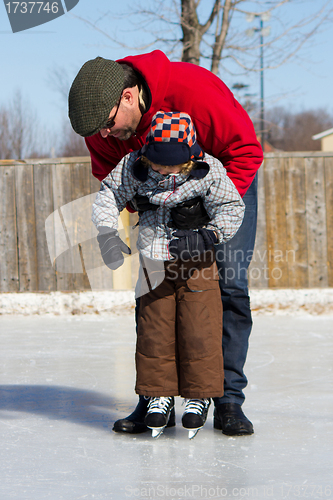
[
  {"x": 220, "y": 36},
  {"x": 20, "y": 135},
  {"x": 215, "y": 33},
  {"x": 213, "y": 39}
]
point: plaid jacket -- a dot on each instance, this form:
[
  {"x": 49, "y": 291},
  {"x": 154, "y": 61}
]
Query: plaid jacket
[{"x": 208, "y": 180}]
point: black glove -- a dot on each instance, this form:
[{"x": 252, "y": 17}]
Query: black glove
[
  {"x": 111, "y": 247},
  {"x": 188, "y": 244},
  {"x": 190, "y": 214},
  {"x": 142, "y": 203}
]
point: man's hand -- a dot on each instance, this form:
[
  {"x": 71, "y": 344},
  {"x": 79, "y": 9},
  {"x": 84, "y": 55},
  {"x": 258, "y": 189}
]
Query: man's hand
[
  {"x": 188, "y": 244},
  {"x": 112, "y": 247}
]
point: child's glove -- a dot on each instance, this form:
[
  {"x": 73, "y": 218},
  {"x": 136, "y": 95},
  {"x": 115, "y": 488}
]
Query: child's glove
[
  {"x": 141, "y": 203},
  {"x": 190, "y": 214},
  {"x": 188, "y": 244},
  {"x": 111, "y": 247}
]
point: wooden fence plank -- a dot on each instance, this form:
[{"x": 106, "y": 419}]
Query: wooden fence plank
[
  {"x": 258, "y": 269},
  {"x": 26, "y": 228},
  {"x": 316, "y": 222},
  {"x": 276, "y": 222},
  {"x": 100, "y": 276},
  {"x": 71, "y": 185},
  {"x": 95, "y": 184},
  {"x": 62, "y": 194},
  {"x": 122, "y": 277},
  {"x": 44, "y": 207},
  {"x": 329, "y": 216},
  {"x": 134, "y": 232},
  {"x": 80, "y": 180},
  {"x": 9, "y": 278},
  {"x": 297, "y": 252}
]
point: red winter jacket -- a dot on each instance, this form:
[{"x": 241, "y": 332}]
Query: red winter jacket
[{"x": 224, "y": 129}]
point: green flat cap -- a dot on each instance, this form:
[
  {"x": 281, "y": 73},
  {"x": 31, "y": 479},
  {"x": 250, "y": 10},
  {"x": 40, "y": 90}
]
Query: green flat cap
[{"x": 94, "y": 92}]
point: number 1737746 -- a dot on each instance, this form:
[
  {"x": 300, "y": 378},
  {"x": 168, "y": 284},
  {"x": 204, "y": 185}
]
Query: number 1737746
[{"x": 32, "y": 7}]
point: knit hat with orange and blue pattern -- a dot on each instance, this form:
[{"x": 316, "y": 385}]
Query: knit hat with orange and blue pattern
[{"x": 171, "y": 139}]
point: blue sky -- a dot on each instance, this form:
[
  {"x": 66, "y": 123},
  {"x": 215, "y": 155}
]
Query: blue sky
[{"x": 29, "y": 57}]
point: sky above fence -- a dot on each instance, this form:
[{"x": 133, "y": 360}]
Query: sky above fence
[{"x": 29, "y": 58}]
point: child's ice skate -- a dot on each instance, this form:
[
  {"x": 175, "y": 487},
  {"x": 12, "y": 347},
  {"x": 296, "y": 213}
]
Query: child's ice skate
[
  {"x": 195, "y": 415},
  {"x": 158, "y": 414}
]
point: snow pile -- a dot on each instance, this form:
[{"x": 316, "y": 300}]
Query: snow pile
[
  {"x": 290, "y": 301},
  {"x": 263, "y": 302},
  {"x": 60, "y": 303}
]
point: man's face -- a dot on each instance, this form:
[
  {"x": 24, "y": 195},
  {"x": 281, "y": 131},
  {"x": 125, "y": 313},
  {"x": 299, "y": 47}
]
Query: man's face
[{"x": 126, "y": 119}]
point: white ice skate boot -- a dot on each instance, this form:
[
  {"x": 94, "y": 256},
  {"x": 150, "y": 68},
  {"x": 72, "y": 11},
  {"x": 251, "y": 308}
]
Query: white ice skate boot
[
  {"x": 195, "y": 415},
  {"x": 158, "y": 414}
]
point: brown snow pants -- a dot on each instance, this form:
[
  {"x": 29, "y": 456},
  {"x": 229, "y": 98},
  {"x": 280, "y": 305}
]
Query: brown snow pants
[{"x": 179, "y": 341}]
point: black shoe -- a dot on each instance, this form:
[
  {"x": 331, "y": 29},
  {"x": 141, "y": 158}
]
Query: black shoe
[
  {"x": 134, "y": 423},
  {"x": 229, "y": 418}
]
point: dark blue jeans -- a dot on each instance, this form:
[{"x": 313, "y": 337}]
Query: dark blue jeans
[{"x": 233, "y": 259}]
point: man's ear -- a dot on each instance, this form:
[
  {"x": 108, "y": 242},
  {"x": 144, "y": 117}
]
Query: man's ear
[{"x": 130, "y": 96}]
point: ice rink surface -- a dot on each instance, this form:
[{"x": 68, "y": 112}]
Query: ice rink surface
[{"x": 65, "y": 380}]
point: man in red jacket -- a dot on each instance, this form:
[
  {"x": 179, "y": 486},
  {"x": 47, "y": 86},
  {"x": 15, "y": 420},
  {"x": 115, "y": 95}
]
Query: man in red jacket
[{"x": 111, "y": 104}]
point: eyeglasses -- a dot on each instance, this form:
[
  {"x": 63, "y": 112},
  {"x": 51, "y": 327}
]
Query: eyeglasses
[{"x": 111, "y": 122}]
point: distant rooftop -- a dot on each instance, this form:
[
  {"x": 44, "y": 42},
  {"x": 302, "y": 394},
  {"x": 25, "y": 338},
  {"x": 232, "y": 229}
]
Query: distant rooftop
[{"x": 322, "y": 134}]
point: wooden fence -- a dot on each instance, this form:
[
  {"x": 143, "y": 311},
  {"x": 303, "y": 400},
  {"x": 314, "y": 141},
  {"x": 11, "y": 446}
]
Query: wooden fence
[
  {"x": 294, "y": 245},
  {"x": 38, "y": 223},
  {"x": 48, "y": 243}
]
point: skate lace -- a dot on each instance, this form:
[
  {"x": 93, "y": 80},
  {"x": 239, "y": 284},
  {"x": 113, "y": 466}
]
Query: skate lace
[
  {"x": 159, "y": 405},
  {"x": 196, "y": 405}
]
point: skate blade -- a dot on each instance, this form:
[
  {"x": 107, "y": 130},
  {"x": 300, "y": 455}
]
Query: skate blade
[
  {"x": 193, "y": 432},
  {"x": 157, "y": 431}
]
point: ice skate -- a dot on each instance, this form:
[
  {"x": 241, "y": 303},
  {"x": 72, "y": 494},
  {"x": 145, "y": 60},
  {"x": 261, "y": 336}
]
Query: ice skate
[
  {"x": 158, "y": 414},
  {"x": 195, "y": 415}
]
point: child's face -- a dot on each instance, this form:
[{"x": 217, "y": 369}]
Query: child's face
[{"x": 166, "y": 170}]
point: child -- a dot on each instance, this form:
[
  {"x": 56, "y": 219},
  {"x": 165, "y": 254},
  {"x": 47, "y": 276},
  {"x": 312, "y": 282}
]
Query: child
[{"x": 179, "y": 338}]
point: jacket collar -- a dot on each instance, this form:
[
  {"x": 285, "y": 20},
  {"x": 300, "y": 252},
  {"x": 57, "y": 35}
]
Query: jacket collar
[
  {"x": 200, "y": 170},
  {"x": 139, "y": 171}
]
